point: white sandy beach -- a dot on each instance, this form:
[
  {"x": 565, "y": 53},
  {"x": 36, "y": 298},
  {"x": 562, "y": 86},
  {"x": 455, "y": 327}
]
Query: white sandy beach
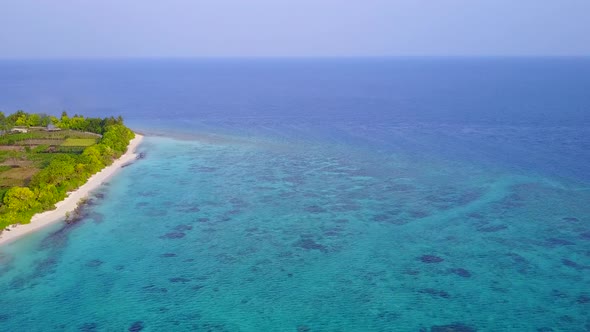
[{"x": 70, "y": 203}]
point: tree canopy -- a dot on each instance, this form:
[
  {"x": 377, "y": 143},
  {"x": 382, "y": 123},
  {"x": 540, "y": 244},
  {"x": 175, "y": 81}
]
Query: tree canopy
[{"x": 77, "y": 122}]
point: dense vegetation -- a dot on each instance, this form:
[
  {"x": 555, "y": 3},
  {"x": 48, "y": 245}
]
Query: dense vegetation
[
  {"x": 51, "y": 163},
  {"x": 77, "y": 122}
]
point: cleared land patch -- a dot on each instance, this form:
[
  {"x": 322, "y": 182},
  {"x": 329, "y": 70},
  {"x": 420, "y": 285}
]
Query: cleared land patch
[
  {"x": 17, "y": 176},
  {"x": 40, "y": 142},
  {"x": 79, "y": 142}
]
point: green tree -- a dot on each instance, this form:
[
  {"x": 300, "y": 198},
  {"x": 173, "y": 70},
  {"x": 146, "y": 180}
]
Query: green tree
[
  {"x": 47, "y": 195},
  {"x": 64, "y": 121},
  {"x": 4, "y": 126},
  {"x": 45, "y": 120},
  {"x": 14, "y": 116},
  {"x": 21, "y": 120},
  {"x": 33, "y": 120},
  {"x": 19, "y": 199},
  {"x": 57, "y": 172},
  {"x": 94, "y": 125},
  {"x": 77, "y": 122}
]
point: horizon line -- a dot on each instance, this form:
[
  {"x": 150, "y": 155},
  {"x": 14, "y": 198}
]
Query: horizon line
[{"x": 293, "y": 57}]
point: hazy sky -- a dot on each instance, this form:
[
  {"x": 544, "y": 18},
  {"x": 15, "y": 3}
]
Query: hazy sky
[{"x": 140, "y": 28}]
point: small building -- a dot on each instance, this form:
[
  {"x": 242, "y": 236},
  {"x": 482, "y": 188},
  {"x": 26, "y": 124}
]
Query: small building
[
  {"x": 51, "y": 127},
  {"x": 18, "y": 130}
]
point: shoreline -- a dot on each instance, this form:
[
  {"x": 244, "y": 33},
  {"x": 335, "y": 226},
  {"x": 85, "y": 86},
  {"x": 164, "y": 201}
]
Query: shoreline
[{"x": 69, "y": 204}]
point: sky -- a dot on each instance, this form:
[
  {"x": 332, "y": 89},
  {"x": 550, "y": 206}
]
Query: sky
[{"x": 293, "y": 28}]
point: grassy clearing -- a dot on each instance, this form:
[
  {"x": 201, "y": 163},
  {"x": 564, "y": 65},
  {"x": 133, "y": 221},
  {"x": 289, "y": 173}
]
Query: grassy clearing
[
  {"x": 17, "y": 176},
  {"x": 79, "y": 142},
  {"x": 35, "y": 142}
]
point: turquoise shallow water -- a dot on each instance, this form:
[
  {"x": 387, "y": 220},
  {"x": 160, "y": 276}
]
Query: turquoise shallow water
[{"x": 238, "y": 234}]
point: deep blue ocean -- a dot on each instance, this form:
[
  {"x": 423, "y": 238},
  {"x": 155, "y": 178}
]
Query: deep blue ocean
[{"x": 385, "y": 194}]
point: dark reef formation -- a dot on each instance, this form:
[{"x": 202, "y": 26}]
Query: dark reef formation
[
  {"x": 136, "y": 326},
  {"x": 309, "y": 244},
  {"x": 173, "y": 235},
  {"x": 491, "y": 229},
  {"x": 88, "y": 327},
  {"x": 455, "y": 327},
  {"x": 430, "y": 259},
  {"x": 461, "y": 272},
  {"x": 94, "y": 263},
  {"x": 435, "y": 293}
]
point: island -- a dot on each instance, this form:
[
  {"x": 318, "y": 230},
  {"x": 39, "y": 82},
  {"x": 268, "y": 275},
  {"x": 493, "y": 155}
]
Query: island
[{"x": 48, "y": 165}]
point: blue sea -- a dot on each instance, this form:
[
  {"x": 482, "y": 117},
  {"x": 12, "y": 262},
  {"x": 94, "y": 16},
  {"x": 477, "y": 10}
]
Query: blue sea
[{"x": 377, "y": 194}]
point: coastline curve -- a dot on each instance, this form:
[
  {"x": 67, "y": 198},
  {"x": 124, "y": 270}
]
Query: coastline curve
[{"x": 69, "y": 204}]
